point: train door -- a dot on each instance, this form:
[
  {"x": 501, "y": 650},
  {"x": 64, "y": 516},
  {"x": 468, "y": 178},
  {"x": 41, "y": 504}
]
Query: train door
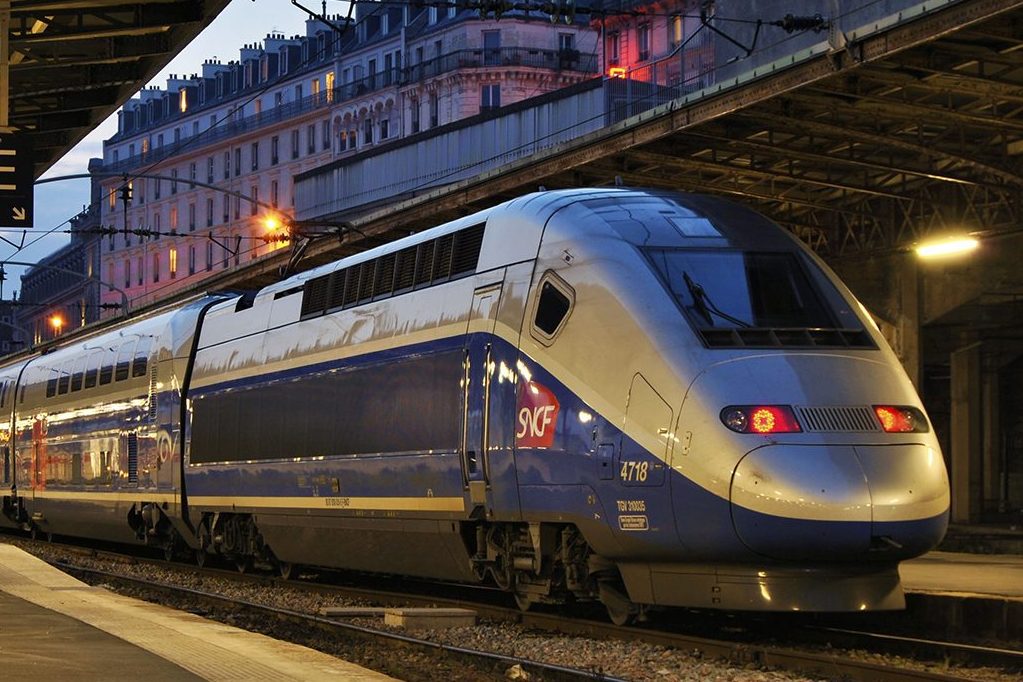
[{"x": 479, "y": 351}]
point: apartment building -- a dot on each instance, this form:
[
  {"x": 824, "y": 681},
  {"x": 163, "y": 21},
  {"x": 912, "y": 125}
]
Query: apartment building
[{"x": 198, "y": 166}]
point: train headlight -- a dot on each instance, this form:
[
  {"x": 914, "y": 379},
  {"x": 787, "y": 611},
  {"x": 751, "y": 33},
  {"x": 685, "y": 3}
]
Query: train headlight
[
  {"x": 901, "y": 419},
  {"x": 762, "y": 419}
]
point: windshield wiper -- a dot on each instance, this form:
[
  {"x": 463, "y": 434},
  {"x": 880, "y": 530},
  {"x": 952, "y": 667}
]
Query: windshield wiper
[{"x": 705, "y": 306}]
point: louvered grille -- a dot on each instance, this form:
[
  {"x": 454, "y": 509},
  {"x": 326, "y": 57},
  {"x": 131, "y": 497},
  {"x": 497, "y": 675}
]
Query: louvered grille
[
  {"x": 841, "y": 419},
  {"x": 385, "y": 274},
  {"x": 433, "y": 262},
  {"x": 406, "y": 268},
  {"x": 442, "y": 258},
  {"x": 467, "y": 250},
  {"x": 315, "y": 299}
]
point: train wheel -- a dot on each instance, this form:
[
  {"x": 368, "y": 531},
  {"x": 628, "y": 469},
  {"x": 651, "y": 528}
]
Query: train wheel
[
  {"x": 620, "y": 615},
  {"x": 286, "y": 569}
]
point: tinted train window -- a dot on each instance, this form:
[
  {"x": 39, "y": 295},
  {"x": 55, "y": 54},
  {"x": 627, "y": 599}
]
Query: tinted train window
[
  {"x": 138, "y": 364},
  {"x": 106, "y": 371},
  {"x": 77, "y": 375},
  {"x": 747, "y": 298},
  {"x": 551, "y": 309},
  {"x": 92, "y": 371},
  {"x": 124, "y": 357},
  {"x": 408, "y": 405},
  {"x": 65, "y": 379},
  {"x": 51, "y": 383}
]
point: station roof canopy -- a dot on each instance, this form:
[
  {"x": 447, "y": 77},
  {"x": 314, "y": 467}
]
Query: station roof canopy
[{"x": 74, "y": 62}]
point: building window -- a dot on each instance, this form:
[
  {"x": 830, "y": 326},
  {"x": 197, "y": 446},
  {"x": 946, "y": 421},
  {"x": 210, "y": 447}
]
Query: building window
[
  {"x": 174, "y": 219},
  {"x": 255, "y": 156},
  {"x": 612, "y": 49},
  {"x": 490, "y": 96},
  {"x": 209, "y": 170},
  {"x": 227, "y": 208},
  {"x": 156, "y": 226},
  {"x": 227, "y": 165},
  {"x": 643, "y": 42},
  {"x": 434, "y": 112},
  {"x": 237, "y": 161},
  {"x": 414, "y": 110},
  {"x": 315, "y": 91},
  {"x": 325, "y": 135},
  {"x": 173, "y": 263},
  {"x": 237, "y": 207},
  {"x": 330, "y": 86},
  {"x": 191, "y": 217},
  {"x": 310, "y": 138},
  {"x": 156, "y": 187},
  {"x": 156, "y": 267},
  {"x": 298, "y": 92},
  {"x": 371, "y": 74},
  {"x": 139, "y": 271},
  {"x": 174, "y": 181},
  {"x": 294, "y": 144},
  {"x": 275, "y": 143},
  {"x": 367, "y": 131},
  {"x": 383, "y": 129},
  {"x": 491, "y": 48},
  {"x": 674, "y": 30},
  {"x": 127, "y": 272},
  {"x": 191, "y": 260},
  {"x": 209, "y": 255},
  {"x": 209, "y": 212},
  {"x": 254, "y": 204},
  {"x": 273, "y": 193},
  {"x": 192, "y": 174}
]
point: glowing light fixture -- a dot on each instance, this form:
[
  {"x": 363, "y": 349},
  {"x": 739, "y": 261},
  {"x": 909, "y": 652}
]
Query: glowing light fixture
[
  {"x": 947, "y": 247},
  {"x": 56, "y": 322},
  {"x": 762, "y": 419},
  {"x": 616, "y": 72}
]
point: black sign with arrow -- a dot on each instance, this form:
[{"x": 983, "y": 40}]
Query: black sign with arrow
[{"x": 16, "y": 184}]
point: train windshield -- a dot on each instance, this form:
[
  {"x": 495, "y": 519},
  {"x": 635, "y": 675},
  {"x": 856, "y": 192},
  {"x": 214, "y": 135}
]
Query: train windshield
[{"x": 742, "y": 298}]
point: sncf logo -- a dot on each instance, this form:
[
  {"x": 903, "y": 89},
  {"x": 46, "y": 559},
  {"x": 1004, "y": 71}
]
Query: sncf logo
[{"x": 537, "y": 410}]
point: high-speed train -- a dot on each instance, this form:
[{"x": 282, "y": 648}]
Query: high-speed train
[{"x": 636, "y": 397}]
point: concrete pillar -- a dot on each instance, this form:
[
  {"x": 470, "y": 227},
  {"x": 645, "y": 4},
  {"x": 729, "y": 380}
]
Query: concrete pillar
[
  {"x": 967, "y": 434},
  {"x": 992, "y": 439}
]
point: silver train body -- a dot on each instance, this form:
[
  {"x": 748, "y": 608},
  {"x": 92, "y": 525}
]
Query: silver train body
[{"x": 645, "y": 398}]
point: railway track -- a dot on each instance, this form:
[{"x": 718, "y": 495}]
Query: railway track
[{"x": 800, "y": 648}]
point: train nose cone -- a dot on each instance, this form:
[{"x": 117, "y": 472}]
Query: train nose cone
[
  {"x": 802, "y": 502},
  {"x": 840, "y": 502}
]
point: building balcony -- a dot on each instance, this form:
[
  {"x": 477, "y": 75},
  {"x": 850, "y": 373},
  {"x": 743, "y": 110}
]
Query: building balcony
[{"x": 557, "y": 60}]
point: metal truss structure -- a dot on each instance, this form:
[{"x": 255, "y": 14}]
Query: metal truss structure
[{"x": 73, "y": 62}]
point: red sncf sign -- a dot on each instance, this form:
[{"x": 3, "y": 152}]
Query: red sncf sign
[{"x": 536, "y": 416}]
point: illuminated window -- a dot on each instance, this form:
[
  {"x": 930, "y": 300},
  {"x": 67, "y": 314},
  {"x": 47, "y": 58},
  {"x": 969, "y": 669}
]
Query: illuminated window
[
  {"x": 183, "y": 100},
  {"x": 675, "y": 30},
  {"x": 330, "y": 86},
  {"x": 173, "y": 260}
]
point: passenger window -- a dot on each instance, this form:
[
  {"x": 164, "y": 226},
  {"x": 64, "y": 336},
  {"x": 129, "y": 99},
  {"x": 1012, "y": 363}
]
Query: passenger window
[
  {"x": 106, "y": 372},
  {"x": 552, "y": 307},
  {"x": 78, "y": 374},
  {"x": 51, "y": 383},
  {"x": 92, "y": 371},
  {"x": 65, "y": 379},
  {"x": 138, "y": 365},
  {"x": 124, "y": 357}
]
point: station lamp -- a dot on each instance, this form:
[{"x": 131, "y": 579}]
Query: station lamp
[
  {"x": 56, "y": 323},
  {"x": 947, "y": 247}
]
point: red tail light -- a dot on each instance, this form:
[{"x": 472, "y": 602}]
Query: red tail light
[
  {"x": 901, "y": 419},
  {"x": 762, "y": 419}
]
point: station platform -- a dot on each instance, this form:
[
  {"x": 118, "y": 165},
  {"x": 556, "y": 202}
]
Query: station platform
[{"x": 57, "y": 627}]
